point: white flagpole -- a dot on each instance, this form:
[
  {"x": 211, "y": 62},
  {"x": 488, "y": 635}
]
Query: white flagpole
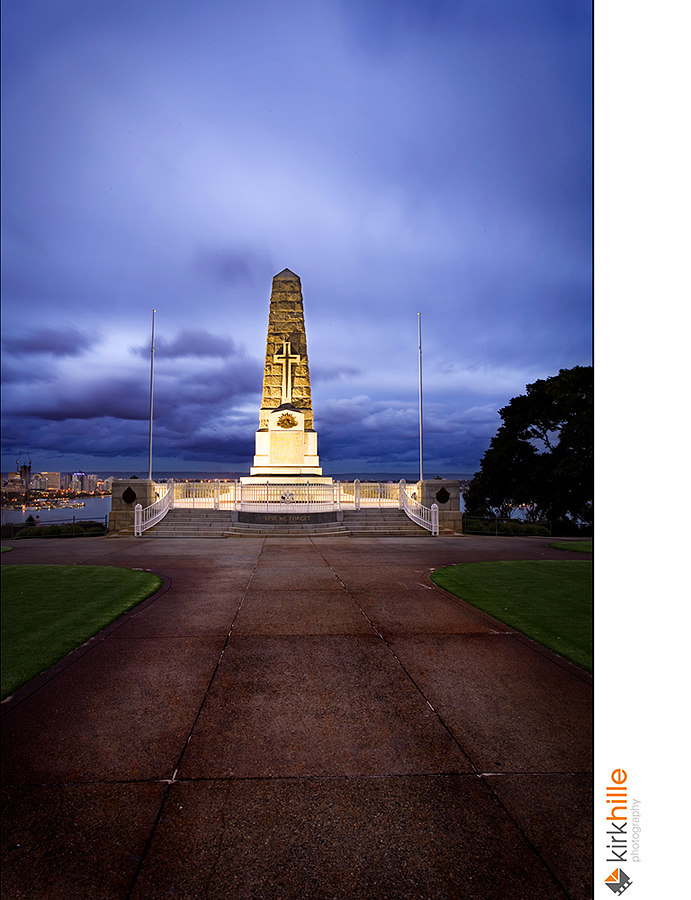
[
  {"x": 419, "y": 347},
  {"x": 151, "y": 396}
]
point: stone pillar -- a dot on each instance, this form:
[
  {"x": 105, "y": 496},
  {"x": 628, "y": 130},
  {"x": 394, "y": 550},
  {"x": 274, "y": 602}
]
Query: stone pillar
[
  {"x": 126, "y": 495},
  {"x": 447, "y": 495},
  {"x": 286, "y": 368},
  {"x": 286, "y": 442}
]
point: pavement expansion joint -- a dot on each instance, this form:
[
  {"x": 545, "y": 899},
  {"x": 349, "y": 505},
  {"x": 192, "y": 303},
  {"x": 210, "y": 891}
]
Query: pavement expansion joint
[
  {"x": 399, "y": 662},
  {"x": 413, "y": 685}
]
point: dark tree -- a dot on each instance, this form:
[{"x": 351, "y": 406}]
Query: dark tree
[{"x": 542, "y": 455}]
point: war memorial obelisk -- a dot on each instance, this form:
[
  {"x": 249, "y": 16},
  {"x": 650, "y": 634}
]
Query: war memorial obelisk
[{"x": 286, "y": 442}]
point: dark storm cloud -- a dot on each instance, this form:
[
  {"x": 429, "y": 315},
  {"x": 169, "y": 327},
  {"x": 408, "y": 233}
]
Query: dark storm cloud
[
  {"x": 219, "y": 386},
  {"x": 194, "y": 342},
  {"x": 361, "y": 428},
  {"x": 128, "y": 398},
  {"x": 51, "y": 341},
  {"x": 194, "y": 415},
  {"x": 96, "y": 436},
  {"x": 118, "y": 398},
  {"x": 187, "y": 435},
  {"x": 226, "y": 266},
  {"x": 33, "y": 372},
  {"x": 399, "y": 156}
]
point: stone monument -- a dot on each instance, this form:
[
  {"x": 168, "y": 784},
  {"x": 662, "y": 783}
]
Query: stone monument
[
  {"x": 286, "y": 442},
  {"x": 447, "y": 495},
  {"x": 126, "y": 495}
]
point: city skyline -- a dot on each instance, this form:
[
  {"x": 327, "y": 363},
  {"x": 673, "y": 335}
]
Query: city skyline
[{"x": 398, "y": 157}]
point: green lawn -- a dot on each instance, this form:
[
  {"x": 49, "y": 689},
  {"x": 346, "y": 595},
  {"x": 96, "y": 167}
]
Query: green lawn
[
  {"x": 549, "y": 601},
  {"x": 575, "y": 546},
  {"x": 47, "y": 611}
]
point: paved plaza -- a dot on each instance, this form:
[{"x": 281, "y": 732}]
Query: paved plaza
[{"x": 298, "y": 718}]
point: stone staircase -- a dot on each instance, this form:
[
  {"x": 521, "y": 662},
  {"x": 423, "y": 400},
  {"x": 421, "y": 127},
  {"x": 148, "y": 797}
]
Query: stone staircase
[
  {"x": 209, "y": 523},
  {"x": 193, "y": 523},
  {"x": 380, "y": 523}
]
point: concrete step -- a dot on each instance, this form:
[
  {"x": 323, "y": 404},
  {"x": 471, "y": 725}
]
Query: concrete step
[
  {"x": 309, "y": 529},
  {"x": 210, "y": 523},
  {"x": 374, "y": 511},
  {"x": 381, "y": 522},
  {"x": 280, "y": 532},
  {"x": 286, "y": 533},
  {"x": 383, "y": 529},
  {"x": 362, "y": 515}
]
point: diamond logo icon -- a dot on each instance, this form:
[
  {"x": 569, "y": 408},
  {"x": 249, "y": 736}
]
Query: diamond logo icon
[{"x": 618, "y": 881}]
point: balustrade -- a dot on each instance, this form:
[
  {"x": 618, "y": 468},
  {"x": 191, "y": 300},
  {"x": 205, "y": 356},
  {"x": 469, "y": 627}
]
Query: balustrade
[
  {"x": 147, "y": 518},
  {"x": 271, "y": 497}
]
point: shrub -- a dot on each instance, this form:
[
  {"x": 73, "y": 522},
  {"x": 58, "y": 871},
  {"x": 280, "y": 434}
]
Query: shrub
[
  {"x": 569, "y": 528},
  {"x": 473, "y": 525},
  {"x": 536, "y": 529},
  {"x": 77, "y": 529}
]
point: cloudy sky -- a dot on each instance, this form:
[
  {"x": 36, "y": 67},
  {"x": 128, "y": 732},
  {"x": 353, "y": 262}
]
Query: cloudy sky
[{"x": 400, "y": 156}]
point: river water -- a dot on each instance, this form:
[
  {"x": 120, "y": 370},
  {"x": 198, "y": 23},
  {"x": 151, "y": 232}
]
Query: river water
[{"x": 94, "y": 509}]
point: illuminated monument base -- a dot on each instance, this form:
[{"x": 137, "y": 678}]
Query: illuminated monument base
[{"x": 285, "y": 450}]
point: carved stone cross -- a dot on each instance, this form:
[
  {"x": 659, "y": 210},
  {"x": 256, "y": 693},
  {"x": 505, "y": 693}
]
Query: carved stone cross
[{"x": 286, "y": 358}]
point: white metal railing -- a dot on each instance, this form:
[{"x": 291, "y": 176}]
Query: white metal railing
[
  {"x": 369, "y": 494},
  {"x": 205, "y": 494},
  {"x": 271, "y": 497},
  {"x": 350, "y": 495},
  {"x": 235, "y": 495},
  {"x": 426, "y": 517},
  {"x": 147, "y": 518}
]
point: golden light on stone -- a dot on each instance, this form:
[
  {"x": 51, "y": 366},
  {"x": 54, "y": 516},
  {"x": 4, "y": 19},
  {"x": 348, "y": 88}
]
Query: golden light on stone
[{"x": 286, "y": 442}]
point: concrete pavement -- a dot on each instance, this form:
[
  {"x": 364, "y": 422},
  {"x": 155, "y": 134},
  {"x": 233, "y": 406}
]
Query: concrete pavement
[{"x": 303, "y": 718}]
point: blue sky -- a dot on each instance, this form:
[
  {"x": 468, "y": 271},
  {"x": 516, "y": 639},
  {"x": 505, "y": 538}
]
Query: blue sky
[{"x": 400, "y": 157}]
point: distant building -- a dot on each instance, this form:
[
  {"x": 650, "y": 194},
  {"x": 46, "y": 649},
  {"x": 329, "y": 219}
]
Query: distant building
[
  {"x": 13, "y": 484},
  {"x": 53, "y": 479},
  {"x": 45, "y": 481}
]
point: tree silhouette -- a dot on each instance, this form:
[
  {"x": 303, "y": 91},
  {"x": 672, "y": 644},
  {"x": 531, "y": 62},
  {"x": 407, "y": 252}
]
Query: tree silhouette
[{"x": 541, "y": 458}]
